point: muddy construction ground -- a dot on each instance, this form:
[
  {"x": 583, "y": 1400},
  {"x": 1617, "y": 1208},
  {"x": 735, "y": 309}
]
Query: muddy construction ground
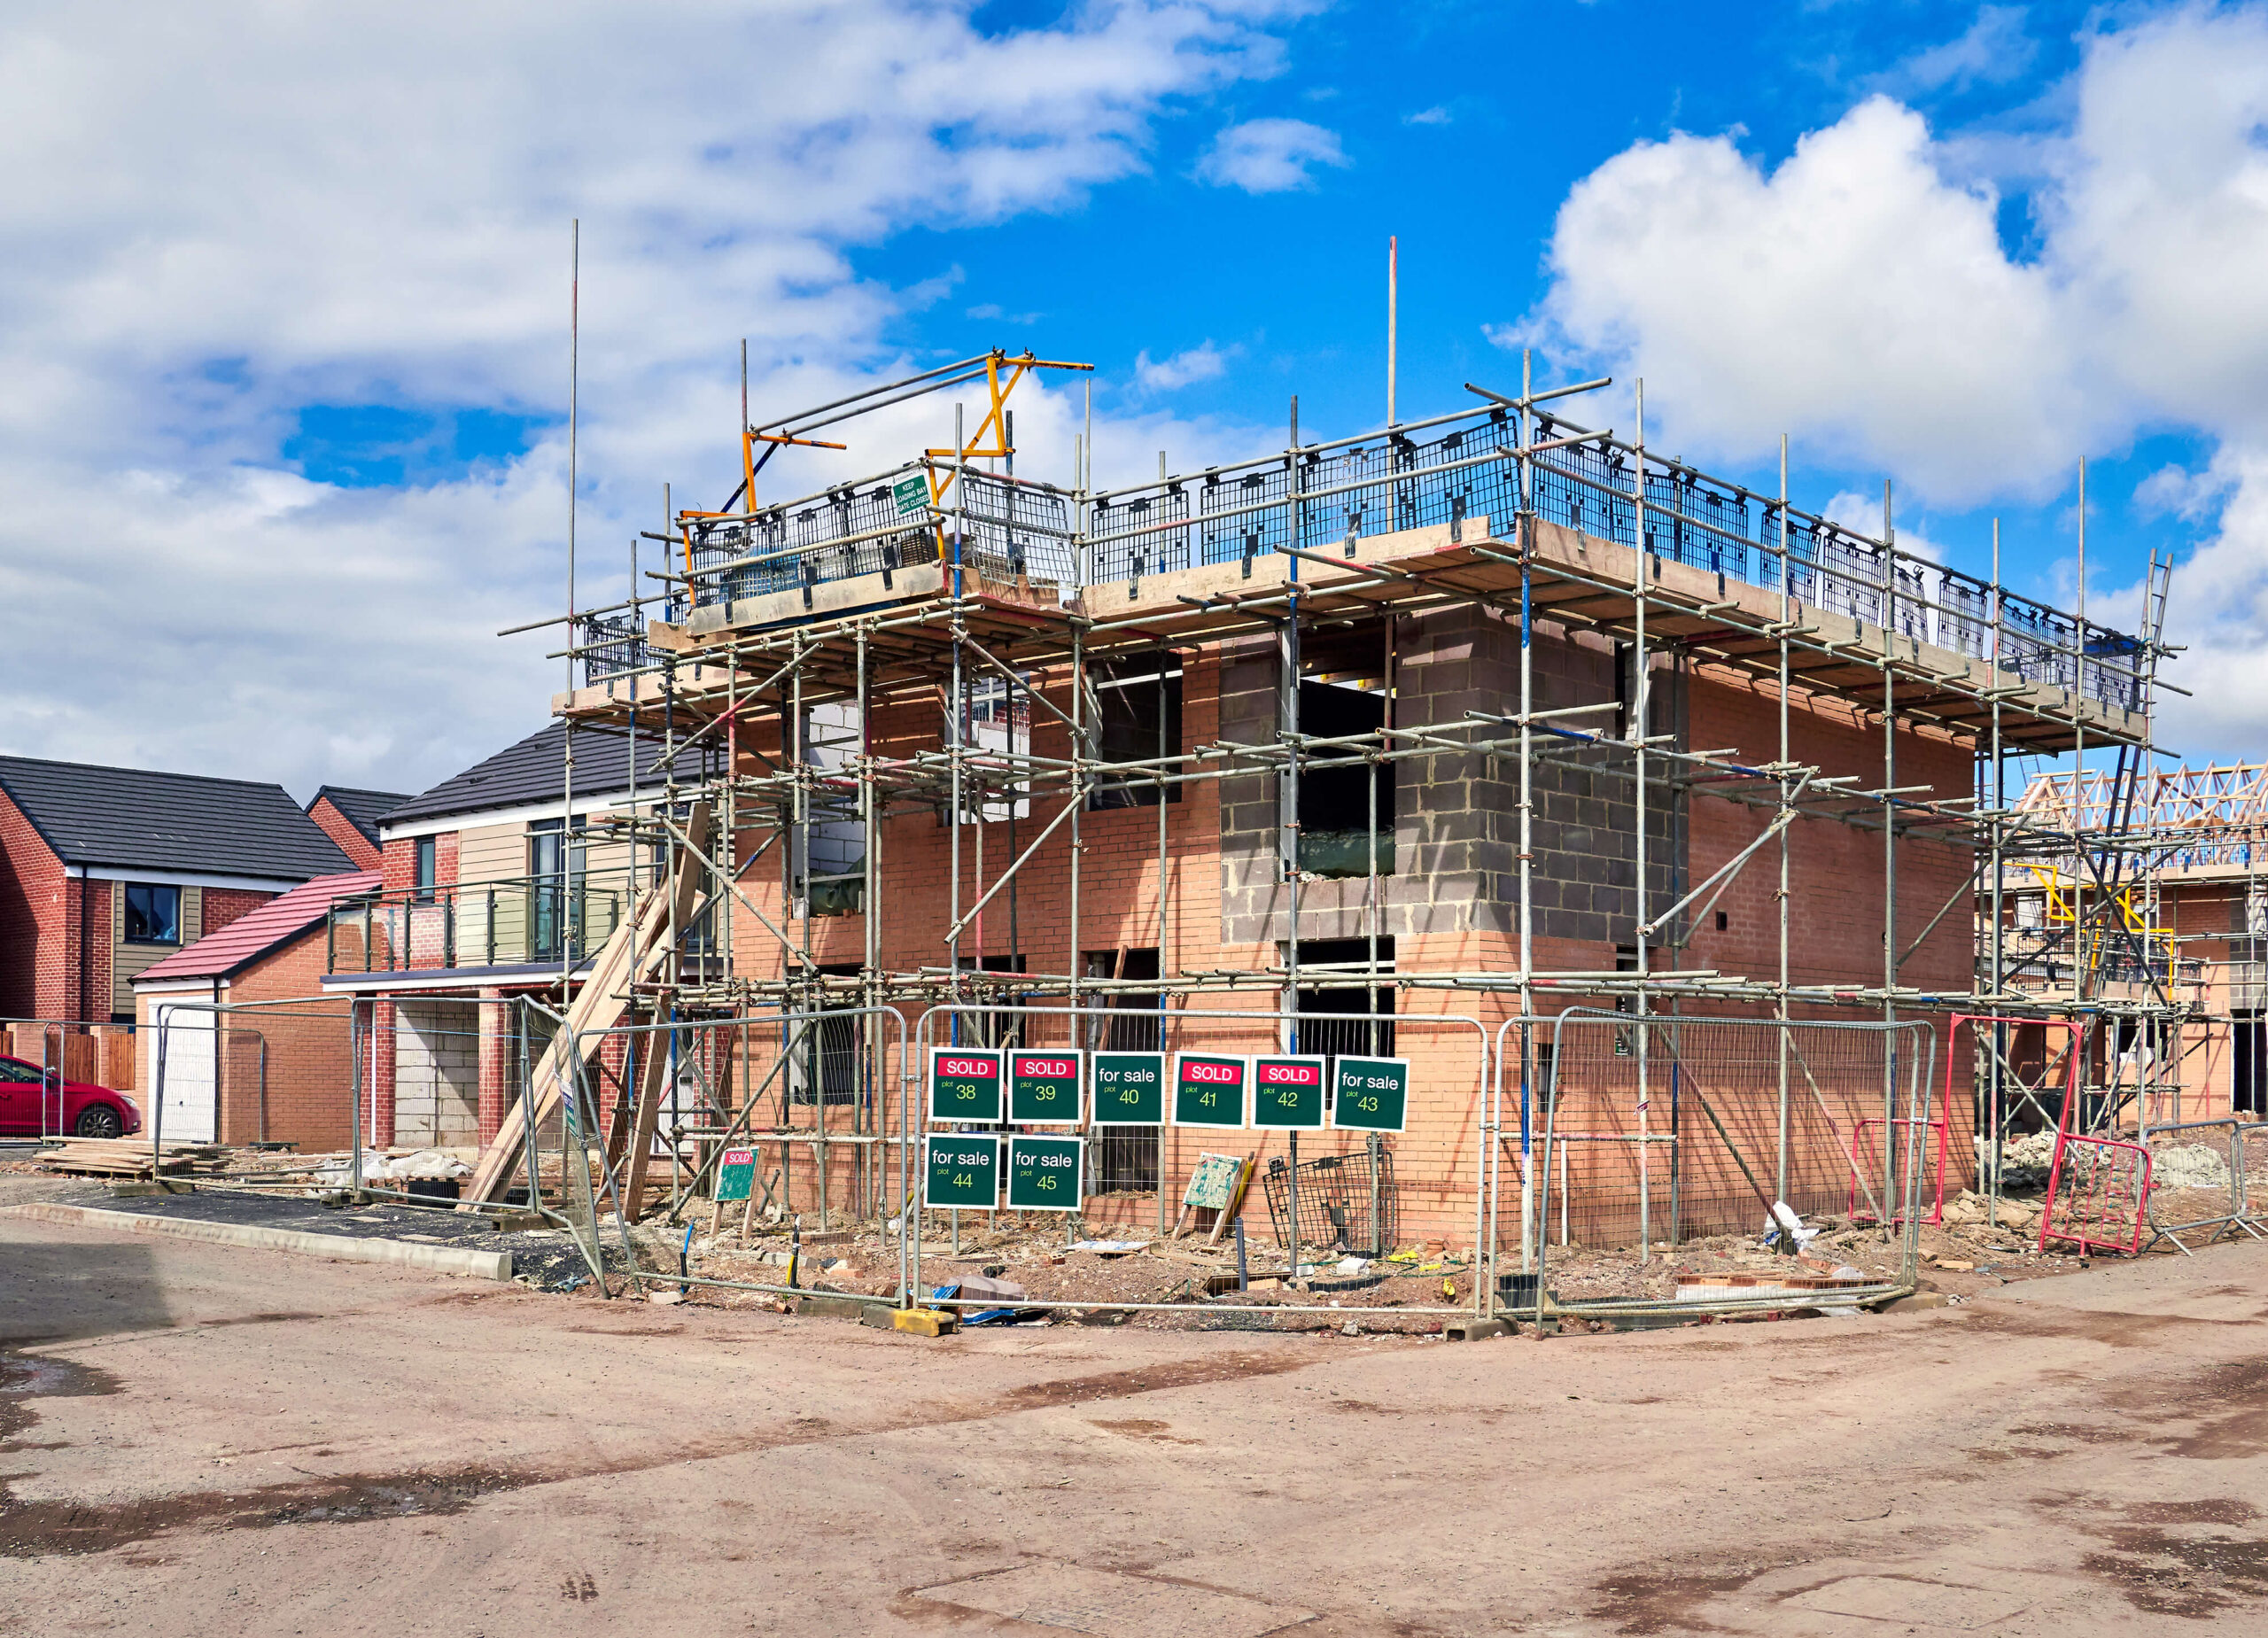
[{"x": 201, "y": 1439}]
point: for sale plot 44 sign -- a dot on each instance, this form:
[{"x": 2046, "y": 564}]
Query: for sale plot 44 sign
[{"x": 964, "y": 1171}]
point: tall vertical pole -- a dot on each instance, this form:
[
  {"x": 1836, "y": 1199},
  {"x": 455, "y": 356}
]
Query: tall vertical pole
[
  {"x": 1392, "y": 304},
  {"x": 567, "y": 732},
  {"x": 1999, "y": 835},
  {"x": 953, "y": 716},
  {"x": 1641, "y": 694},
  {"x": 1526, "y": 436},
  {"x": 2080, "y": 959},
  {"x": 1787, "y": 788},
  {"x": 1889, "y": 850}
]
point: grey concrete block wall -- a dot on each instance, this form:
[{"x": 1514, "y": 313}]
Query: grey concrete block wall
[{"x": 1456, "y": 815}]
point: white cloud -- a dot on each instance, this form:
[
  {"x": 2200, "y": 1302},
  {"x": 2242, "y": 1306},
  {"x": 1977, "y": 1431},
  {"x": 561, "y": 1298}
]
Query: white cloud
[
  {"x": 1435, "y": 115},
  {"x": 1270, "y": 156},
  {"x": 1992, "y": 50},
  {"x": 1859, "y": 295},
  {"x": 1168, "y": 374},
  {"x": 214, "y": 220},
  {"x": 1854, "y": 294}
]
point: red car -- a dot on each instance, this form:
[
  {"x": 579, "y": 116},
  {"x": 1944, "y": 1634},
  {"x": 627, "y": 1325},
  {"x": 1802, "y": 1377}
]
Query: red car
[{"x": 26, "y": 1095}]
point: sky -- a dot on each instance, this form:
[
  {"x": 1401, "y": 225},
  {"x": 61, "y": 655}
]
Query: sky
[{"x": 284, "y": 316}]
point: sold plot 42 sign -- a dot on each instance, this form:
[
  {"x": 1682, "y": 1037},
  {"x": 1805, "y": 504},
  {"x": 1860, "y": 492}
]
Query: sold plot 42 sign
[
  {"x": 965, "y": 1084},
  {"x": 1287, "y": 1093},
  {"x": 1043, "y": 1088}
]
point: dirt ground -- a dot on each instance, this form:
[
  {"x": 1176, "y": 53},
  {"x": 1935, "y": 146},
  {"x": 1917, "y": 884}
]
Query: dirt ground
[{"x": 206, "y": 1439}]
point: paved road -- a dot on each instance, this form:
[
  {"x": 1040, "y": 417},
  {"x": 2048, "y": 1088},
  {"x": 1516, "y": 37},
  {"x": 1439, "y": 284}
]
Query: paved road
[{"x": 194, "y": 1440}]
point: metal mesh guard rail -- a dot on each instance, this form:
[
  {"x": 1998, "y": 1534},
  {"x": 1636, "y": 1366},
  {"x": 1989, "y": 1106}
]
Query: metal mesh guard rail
[{"x": 1399, "y": 481}]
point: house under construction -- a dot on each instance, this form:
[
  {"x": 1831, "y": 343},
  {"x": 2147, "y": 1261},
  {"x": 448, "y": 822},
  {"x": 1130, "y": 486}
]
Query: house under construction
[{"x": 1644, "y": 814}]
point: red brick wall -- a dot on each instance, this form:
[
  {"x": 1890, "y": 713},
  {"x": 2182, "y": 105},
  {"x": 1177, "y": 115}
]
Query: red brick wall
[
  {"x": 340, "y": 829},
  {"x": 310, "y": 1055},
  {"x": 224, "y": 905},
  {"x": 34, "y": 919},
  {"x": 397, "y": 862}
]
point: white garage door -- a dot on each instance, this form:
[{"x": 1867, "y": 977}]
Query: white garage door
[{"x": 189, "y": 1105}]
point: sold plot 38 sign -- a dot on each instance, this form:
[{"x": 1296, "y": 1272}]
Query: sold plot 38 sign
[{"x": 965, "y": 1084}]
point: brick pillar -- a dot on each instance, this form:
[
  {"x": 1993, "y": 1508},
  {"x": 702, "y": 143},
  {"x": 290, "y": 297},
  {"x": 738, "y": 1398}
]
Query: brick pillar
[
  {"x": 378, "y": 1066},
  {"x": 496, "y": 1065}
]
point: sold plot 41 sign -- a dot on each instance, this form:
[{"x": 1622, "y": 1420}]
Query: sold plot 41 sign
[
  {"x": 1208, "y": 1089},
  {"x": 965, "y": 1084}
]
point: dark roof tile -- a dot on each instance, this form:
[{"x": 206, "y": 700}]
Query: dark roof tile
[{"x": 188, "y": 823}]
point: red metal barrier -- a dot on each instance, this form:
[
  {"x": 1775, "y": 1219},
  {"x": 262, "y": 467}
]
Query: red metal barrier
[{"x": 2098, "y": 1193}]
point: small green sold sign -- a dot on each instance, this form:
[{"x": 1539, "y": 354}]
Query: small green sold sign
[
  {"x": 965, "y": 1084},
  {"x": 1043, "y": 1088}
]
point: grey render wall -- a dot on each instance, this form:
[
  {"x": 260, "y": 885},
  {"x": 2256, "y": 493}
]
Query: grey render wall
[{"x": 1457, "y": 814}]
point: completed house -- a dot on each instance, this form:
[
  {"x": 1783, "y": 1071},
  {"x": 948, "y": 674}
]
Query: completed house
[{"x": 105, "y": 871}]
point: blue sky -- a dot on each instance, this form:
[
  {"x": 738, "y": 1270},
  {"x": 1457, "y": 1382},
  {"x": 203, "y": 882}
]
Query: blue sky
[{"x": 294, "y": 307}]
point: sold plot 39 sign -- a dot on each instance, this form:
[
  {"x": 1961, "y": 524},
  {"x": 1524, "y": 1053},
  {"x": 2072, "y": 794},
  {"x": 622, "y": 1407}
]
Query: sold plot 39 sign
[
  {"x": 965, "y": 1084},
  {"x": 1208, "y": 1089},
  {"x": 1043, "y": 1088},
  {"x": 1287, "y": 1093}
]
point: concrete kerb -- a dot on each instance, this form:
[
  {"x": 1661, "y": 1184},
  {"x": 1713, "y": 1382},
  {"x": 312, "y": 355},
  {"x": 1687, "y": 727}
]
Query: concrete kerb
[{"x": 486, "y": 1265}]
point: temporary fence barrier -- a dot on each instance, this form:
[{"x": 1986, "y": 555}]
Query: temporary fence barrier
[
  {"x": 1933, "y": 1157},
  {"x": 1430, "y": 1086},
  {"x": 2098, "y": 1191},
  {"x": 2181, "y": 1164},
  {"x": 1699, "y": 1126},
  {"x": 2018, "y": 1067}
]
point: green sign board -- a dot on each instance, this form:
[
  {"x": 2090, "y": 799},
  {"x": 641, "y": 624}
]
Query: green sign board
[
  {"x": 736, "y": 1174},
  {"x": 965, "y": 1084},
  {"x": 1208, "y": 1089},
  {"x": 1043, "y": 1088},
  {"x": 1043, "y": 1174},
  {"x": 912, "y": 494},
  {"x": 964, "y": 1172},
  {"x": 1130, "y": 1089},
  {"x": 1371, "y": 1094},
  {"x": 1287, "y": 1093}
]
